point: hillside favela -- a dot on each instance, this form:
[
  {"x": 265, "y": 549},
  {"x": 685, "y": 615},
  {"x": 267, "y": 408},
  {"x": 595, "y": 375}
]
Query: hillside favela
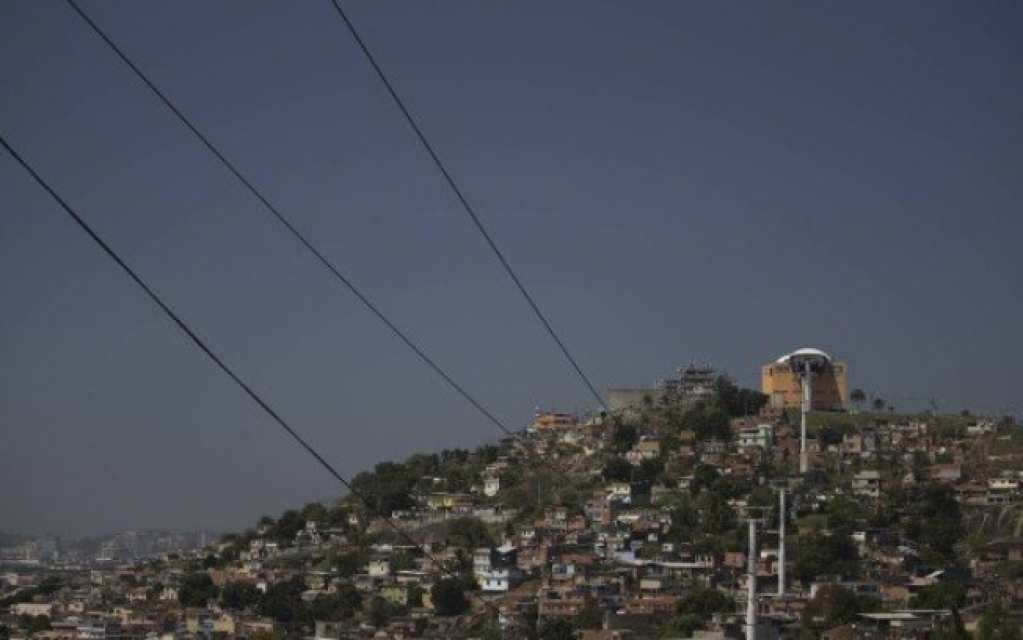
[
  {"x": 531, "y": 320},
  {"x": 692, "y": 508}
]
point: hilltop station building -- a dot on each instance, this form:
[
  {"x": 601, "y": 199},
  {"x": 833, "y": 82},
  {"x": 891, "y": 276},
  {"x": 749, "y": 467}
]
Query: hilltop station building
[{"x": 781, "y": 383}]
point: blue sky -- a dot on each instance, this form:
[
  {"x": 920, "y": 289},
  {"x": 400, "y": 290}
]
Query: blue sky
[{"x": 673, "y": 181}]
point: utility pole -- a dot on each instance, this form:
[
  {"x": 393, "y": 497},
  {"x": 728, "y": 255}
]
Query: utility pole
[
  {"x": 807, "y": 388},
  {"x": 539, "y": 512},
  {"x": 805, "y": 363},
  {"x": 751, "y": 583},
  {"x": 781, "y": 543}
]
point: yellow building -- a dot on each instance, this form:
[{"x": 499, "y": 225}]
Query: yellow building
[
  {"x": 782, "y": 385},
  {"x": 550, "y": 420}
]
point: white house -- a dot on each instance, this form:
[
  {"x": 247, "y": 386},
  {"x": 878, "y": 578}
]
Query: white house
[
  {"x": 867, "y": 483},
  {"x": 496, "y": 580},
  {"x": 761, "y": 436},
  {"x": 491, "y": 485},
  {"x": 379, "y": 568}
]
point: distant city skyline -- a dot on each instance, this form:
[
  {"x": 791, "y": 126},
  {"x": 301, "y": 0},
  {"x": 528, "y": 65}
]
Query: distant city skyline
[{"x": 672, "y": 181}]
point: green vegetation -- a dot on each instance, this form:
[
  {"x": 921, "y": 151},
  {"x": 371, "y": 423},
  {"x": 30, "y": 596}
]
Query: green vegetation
[
  {"x": 694, "y": 611},
  {"x": 941, "y": 595},
  {"x": 933, "y": 520},
  {"x": 448, "y": 596},
  {"x": 943, "y": 425},
  {"x": 557, "y": 629},
  {"x": 239, "y": 596},
  {"x": 824, "y": 554},
  {"x": 998, "y": 624},
  {"x": 380, "y": 611},
  {"x": 835, "y": 605},
  {"x": 736, "y": 401},
  {"x": 35, "y": 624},
  {"x": 49, "y": 586},
  {"x": 709, "y": 421},
  {"x": 283, "y": 602},
  {"x": 590, "y": 617},
  {"x": 469, "y": 533},
  {"x": 196, "y": 590},
  {"x": 706, "y": 602}
]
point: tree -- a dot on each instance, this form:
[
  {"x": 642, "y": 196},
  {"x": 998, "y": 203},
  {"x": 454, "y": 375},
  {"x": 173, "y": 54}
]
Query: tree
[
  {"x": 844, "y": 514},
  {"x": 708, "y": 420},
  {"x": 761, "y": 498},
  {"x": 315, "y": 512},
  {"x": 387, "y": 488},
  {"x": 998, "y": 624},
  {"x": 820, "y": 554},
  {"x": 878, "y": 404},
  {"x": 486, "y": 629},
  {"x": 239, "y": 596},
  {"x": 49, "y": 586},
  {"x": 934, "y": 521},
  {"x": 682, "y": 626},
  {"x": 288, "y": 526},
  {"x": 704, "y": 477},
  {"x": 858, "y": 398},
  {"x": 154, "y": 591},
  {"x": 403, "y": 561},
  {"x": 589, "y": 617},
  {"x": 951, "y": 628},
  {"x": 469, "y": 533},
  {"x": 448, "y": 597},
  {"x": 380, "y": 611},
  {"x": 617, "y": 470},
  {"x": 685, "y": 518},
  {"x": 624, "y": 437},
  {"x": 731, "y": 486},
  {"x": 196, "y": 590},
  {"x": 348, "y": 563},
  {"x": 283, "y": 601},
  {"x": 705, "y": 602},
  {"x": 337, "y": 606},
  {"x": 37, "y": 624},
  {"x": 828, "y": 435},
  {"x": 415, "y": 596},
  {"x": 229, "y": 554},
  {"x": 737, "y": 402},
  {"x": 209, "y": 562},
  {"x": 557, "y": 629},
  {"x": 834, "y": 605},
  {"x": 941, "y": 595},
  {"x": 918, "y": 466},
  {"x": 718, "y": 516},
  {"x": 649, "y": 470}
]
